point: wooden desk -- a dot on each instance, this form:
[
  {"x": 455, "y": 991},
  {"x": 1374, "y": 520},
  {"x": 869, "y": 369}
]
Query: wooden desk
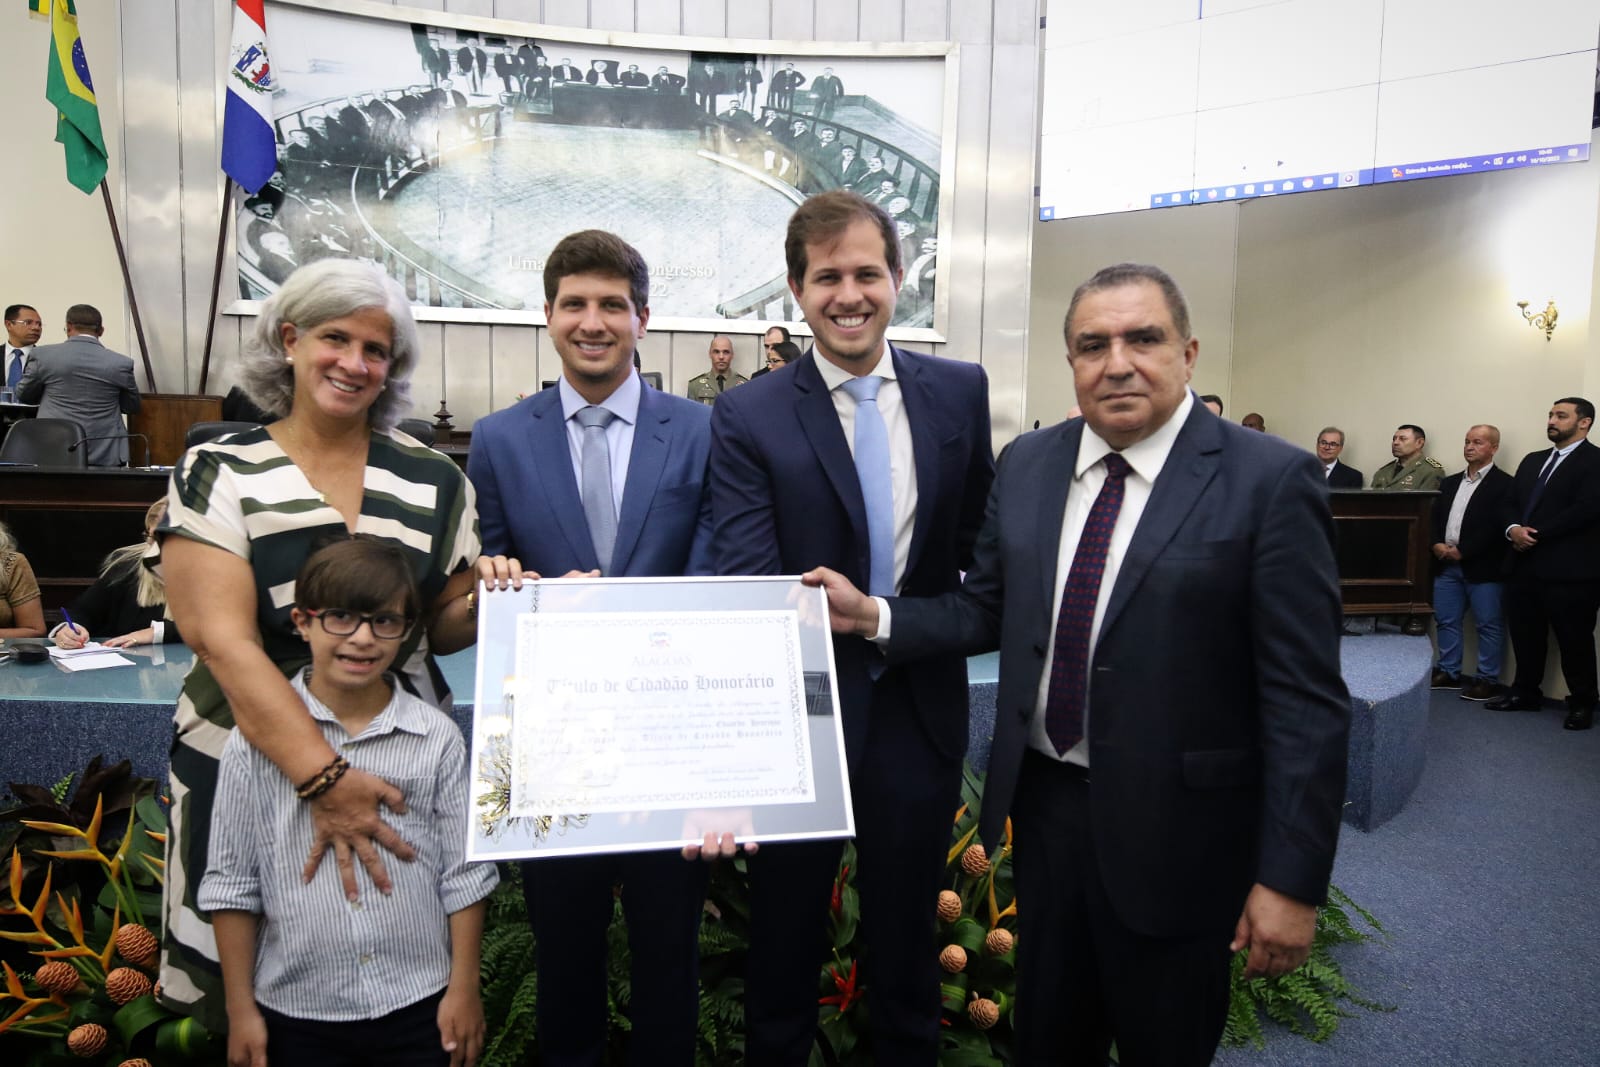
[
  {"x": 1383, "y": 547},
  {"x": 65, "y": 520}
]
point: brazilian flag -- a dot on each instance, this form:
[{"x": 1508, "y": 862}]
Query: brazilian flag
[{"x": 68, "y": 87}]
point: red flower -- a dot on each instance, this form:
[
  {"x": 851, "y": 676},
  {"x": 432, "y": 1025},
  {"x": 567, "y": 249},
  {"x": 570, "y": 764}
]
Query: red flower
[
  {"x": 837, "y": 904},
  {"x": 848, "y": 993}
]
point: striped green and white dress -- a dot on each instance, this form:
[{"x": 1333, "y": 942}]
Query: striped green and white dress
[{"x": 243, "y": 494}]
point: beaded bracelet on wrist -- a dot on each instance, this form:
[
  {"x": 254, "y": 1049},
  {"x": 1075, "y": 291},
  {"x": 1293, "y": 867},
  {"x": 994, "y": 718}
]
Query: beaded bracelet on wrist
[{"x": 323, "y": 781}]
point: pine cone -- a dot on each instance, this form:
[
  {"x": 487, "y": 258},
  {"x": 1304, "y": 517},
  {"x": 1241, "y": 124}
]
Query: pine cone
[
  {"x": 975, "y": 860},
  {"x": 57, "y": 976},
  {"x": 983, "y": 1013},
  {"x": 999, "y": 941},
  {"x": 953, "y": 958},
  {"x": 125, "y": 984},
  {"x": 136, "y": 944},
  {"x": 949, "y": 905},
  {"x": 135, "y": 1063},
  {"x": 88, "y": 1040}
]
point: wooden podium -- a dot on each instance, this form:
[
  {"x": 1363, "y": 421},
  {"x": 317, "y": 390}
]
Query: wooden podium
[
  {"x": 164, "y": 418},
  {"x": 1383, "y": 542}
]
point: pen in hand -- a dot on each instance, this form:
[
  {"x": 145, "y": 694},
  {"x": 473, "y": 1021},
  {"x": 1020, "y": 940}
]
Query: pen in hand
[{"x": 73, "y": 628}]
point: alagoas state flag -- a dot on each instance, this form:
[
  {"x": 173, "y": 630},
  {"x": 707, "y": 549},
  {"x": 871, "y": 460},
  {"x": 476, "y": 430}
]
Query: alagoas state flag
[
  {"x": 249, "y": 149},
  {"x": 69, "y": 87}
]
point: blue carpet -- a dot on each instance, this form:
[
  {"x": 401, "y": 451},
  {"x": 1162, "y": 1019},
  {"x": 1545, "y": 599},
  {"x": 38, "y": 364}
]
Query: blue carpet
[{"x": 1486, "y": 882}]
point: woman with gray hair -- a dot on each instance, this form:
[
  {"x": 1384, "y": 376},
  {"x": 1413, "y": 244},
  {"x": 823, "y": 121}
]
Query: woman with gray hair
[{"x": 332, "y": 353}]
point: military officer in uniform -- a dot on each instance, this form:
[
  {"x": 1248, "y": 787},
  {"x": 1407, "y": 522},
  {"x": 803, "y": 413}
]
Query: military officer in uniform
[
  {"x": 705, "y": 388},
  {"x": 1410, "y": 471}
]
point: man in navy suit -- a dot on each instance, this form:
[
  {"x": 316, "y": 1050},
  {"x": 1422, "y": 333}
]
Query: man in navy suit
[
  {"x": 1553, "y": 573},
  {"x": 788, "y": 495},
  {"x": 546, "y": 498},
  {"x": 1469, "y": 543},
  {"x": 1171, "y": 722}
]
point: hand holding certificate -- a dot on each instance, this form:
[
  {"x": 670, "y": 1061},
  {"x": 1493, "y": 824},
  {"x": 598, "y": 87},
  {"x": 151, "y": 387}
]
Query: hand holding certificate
[{"x": 616, "y": 715}]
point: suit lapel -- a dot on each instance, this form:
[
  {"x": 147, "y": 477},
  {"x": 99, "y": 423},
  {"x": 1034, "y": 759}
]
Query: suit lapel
[
  {"x": 551, "y": 461},
  {"x": 651, "y": 438},
  {"x": 922, "y": 410},
  {"x": 819, "y": 421},
  {"x": 1190, "y": 466},
  {"x": 1055, "y": 481}
]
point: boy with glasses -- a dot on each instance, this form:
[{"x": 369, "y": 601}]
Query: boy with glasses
[{"x": 312, "y": 977}]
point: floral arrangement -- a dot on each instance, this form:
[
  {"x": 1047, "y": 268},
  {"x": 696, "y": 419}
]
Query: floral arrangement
[{"x": 76, "y": 916}]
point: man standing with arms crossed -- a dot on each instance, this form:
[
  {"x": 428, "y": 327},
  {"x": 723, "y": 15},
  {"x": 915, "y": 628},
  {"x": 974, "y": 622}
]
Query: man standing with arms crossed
[
  {"x": 1553, "y": 580},
  {"x": 603, "y": 474},
  {"x": 1171, "y": 724},
  {"x": 874, "y": 461}
]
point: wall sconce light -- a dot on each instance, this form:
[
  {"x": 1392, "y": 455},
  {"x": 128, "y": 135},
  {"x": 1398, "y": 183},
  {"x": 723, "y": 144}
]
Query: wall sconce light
[{"x": 1545, "y": 320}]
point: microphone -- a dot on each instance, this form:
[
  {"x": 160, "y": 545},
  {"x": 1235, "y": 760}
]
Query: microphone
[{"x": 111, "y": 437}]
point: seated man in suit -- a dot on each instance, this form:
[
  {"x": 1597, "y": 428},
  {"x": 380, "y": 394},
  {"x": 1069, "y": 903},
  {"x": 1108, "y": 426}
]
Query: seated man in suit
[
  {"x": 1330, "y": 442},
  {"x": 1171, "y": 743},
  {"x": 601, "y": 474},
  {"x": 84, "y": 381},
  {"x": 1469, "y": 544}
]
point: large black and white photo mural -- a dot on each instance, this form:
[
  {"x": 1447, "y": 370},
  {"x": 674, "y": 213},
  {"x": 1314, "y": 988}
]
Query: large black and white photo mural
[{"x": 457, "y": 151}]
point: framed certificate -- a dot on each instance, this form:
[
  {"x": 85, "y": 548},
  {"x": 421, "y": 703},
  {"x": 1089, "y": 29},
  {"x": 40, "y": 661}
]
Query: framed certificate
[{"x": 625, "y": 714}]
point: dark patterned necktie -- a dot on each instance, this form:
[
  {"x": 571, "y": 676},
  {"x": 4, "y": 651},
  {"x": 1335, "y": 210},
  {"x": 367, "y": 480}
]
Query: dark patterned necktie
[
  {"x": 1069, "y": 669},
  {"x": 1538, "y": 486}
]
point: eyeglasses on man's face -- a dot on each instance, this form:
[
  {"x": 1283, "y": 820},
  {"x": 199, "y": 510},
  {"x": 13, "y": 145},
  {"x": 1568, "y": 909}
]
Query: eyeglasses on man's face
[{"x": 386, "y": 625}]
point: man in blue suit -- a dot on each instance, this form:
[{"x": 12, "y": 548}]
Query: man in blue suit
[
  {"x": 874, "y": 461},
  {"x": 602, "y": 474},
  {"x": 1171, "y": 723}
]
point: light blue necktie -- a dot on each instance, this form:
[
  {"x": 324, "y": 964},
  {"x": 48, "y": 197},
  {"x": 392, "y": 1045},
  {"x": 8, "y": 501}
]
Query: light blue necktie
[
  {"x": 599, "y": 507},
  {"x": 877, "y": 487},
  {"x": 14, "y": 372}
]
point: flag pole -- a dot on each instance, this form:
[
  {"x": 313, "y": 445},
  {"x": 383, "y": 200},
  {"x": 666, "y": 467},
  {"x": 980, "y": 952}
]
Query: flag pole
[
  {"x": 216, "y": 279},
  {"x": 127, "y": 283}
]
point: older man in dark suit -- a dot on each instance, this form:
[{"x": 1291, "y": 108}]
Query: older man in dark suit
[
  {"x": 84, "y": 381},
  {"x": 1554, "y": 570},
  {"x": 1339, "y": 475},
  {"x": 875, "y": 461},
  {"x": 1171, "y": 725}
]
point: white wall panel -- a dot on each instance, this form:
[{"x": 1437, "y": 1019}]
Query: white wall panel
[
  {"x": 744, "y": 19},
  {"x": 926, "y": 22},
  {"x": 836, "y": 20},
  {"x": 520, "y": 10},
  {"x": 792, "y": 20},
  {"x": 566, "y": 13},
  {"x": 614, "y": 14},
  {"x": 654, "y": 17},
  {"x": 882, "y": 20}
]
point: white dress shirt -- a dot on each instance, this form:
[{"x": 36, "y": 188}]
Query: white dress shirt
[
  {"x": 902, "y": 460},
  {"x": 1458, "y": 506},
  {"x": 1560, "y": 457},
  {"x": 1146, "y": 458},
  {"x": 624, "y": 404}
]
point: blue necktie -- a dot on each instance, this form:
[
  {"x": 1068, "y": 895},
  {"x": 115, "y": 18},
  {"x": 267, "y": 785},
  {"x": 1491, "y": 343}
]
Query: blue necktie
[
  {"x": 14, "y": 372},
  {"x": 877, "y": 487},
  {"x": 599, "y": 506}
]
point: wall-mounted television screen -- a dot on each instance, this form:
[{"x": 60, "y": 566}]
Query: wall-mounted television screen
[{"x": 1165, "y": 103}]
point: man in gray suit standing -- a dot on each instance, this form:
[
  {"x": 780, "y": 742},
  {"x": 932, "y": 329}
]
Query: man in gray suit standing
[{"x": 84, "y": 381}]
